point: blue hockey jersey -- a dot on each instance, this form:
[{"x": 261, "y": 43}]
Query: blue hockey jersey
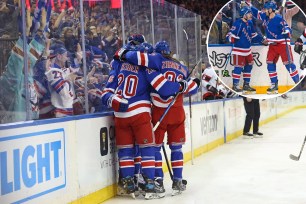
[
  {"x": 273, "y": 27},
  {"x": 170, "y": 68},
  {"x": 134, "y": 83},
  {"x": 246, "y": 33}
]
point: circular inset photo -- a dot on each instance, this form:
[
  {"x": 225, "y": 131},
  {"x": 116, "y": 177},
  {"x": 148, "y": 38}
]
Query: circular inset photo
[{"x": 256, "y": 47}]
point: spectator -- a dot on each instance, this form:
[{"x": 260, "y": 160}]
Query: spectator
[
  {"x": 61, "y": 89},
  {"x": 218, "y": 31}
]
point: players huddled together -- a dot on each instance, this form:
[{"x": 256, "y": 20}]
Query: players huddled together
[
  {"x": 143, "y": 82},
  {"x": 278, "y": 37}
]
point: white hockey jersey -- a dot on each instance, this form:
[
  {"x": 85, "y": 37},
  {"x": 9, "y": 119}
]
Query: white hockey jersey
[
  {"x": 209, "y": 77},
  {"x": 61, "y": 89}
]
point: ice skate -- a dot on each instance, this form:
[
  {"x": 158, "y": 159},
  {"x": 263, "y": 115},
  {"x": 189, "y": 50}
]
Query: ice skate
[
  {"x": 150, "y": 190},
  {"x": 139, "y": 185},
  {"x": 178, "y": 187},
  {"x": 159, "y": 187},
  {"x": 236, "y": 88},
  {"x": 247, "y": 89},
  {"x": 273, "y": 89},
  {"x": 126, "y": 187}
]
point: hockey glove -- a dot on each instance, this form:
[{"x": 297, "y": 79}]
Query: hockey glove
[
  {"x": 298, "y": 46},
  {"x": 184, "y": 86},
  {"x": 211, "y": 88},
  {"x": 120, "y": 54},
  {"x": 118, "y": 103},
  {"x": 197, "y": 81},
  {"x": 264, "y": 41}
]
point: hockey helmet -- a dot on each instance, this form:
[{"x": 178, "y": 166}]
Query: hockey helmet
[
  {"x": 136, "y": 39},
  {"x": 162, "y": 47},
  {"x": 146, "y": 47},
  {"x": 270, "y": 5},
  {"x": 244, "y": 10}
]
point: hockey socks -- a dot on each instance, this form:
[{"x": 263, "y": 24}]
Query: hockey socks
[
  {"x": 272, "y": 73},
  {"x": 247, "y": 73},
  {"x": 158, "y": 163},
  {"x": 137, "y": 160},
  {"x": 177, "y": 161},
  {"x": 126, "y": 162},
  {"x": 236, "y": 74},
  {"x": 293, "y": 72},
  {"x": 148, "y": 161}
]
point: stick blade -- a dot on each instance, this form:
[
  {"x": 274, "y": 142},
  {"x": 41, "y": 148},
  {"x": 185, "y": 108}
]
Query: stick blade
[{"x": 295, "y": 158}]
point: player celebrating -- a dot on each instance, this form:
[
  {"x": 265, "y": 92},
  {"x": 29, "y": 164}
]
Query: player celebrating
[
  {"x": 241, "y": 35},
  {"x": 278, "y": 35},
  {"x": 127, "y": 92},
  {"x": 173, "y": 123}
]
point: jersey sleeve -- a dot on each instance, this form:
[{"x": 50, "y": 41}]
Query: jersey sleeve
[
  {"x": 258, "y": 14},
  {"x": 192, "y": 87},
  {"x": 233, "y": 33},
  {"x": 285, "y": 26},
  {"x": 112, "y": 82},
  {"x": 152, "y": 61},
  {"x": 205, "y": 79},
  {"x": 164, "y": 87}
]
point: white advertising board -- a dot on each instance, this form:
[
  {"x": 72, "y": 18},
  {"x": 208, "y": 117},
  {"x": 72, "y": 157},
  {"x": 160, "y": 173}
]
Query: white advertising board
[{"x": 260, "y": 75}]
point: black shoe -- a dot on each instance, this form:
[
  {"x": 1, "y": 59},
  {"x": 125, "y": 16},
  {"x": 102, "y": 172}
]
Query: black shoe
[
  {"x": 258, "y": 134},
  {"x": 247, "y": 135}
]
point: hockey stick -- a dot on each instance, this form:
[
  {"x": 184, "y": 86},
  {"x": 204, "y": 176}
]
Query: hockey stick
[
  {"x": 189, "y": 99},
  {"x": 168, "y": 165},
  {"x": 296, "y": 158},
  {"x": 174, "y": 99}
]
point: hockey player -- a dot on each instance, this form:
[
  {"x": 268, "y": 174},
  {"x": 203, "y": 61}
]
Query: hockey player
[
  {"x": 209, "y": 84},
  {"x": 128, "y": 93},
  {"x": 278, "y": 35},
  {"x": 241, "y": 35},
  {"x": 61, "y": 88},
  {"x": 173, "y": 122}
]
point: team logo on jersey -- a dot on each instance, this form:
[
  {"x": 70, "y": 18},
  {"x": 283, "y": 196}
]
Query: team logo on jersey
[
  {"x": 103, "y": 141},
  {"x": 111, "y": 79}
]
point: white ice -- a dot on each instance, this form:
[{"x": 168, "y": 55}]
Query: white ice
[{"x": 246, "y": 171}]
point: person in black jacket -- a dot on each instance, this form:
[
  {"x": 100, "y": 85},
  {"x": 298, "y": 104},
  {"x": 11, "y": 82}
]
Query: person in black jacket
[{"x": 252, "y": 109}]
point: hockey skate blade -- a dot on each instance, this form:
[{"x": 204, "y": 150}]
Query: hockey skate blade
[
  {"x": 176, "y": 192},
  {"x": 273, "y": 92},
  {"x": 122, "y": 193},
  {"x": 150, "y": 196},
  {"x": 249, "y": 92},
  {"x": 293, "y": 157}
]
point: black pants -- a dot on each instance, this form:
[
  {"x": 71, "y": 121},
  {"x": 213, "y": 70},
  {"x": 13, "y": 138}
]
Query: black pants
[{"x": 252, "y": 110}]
